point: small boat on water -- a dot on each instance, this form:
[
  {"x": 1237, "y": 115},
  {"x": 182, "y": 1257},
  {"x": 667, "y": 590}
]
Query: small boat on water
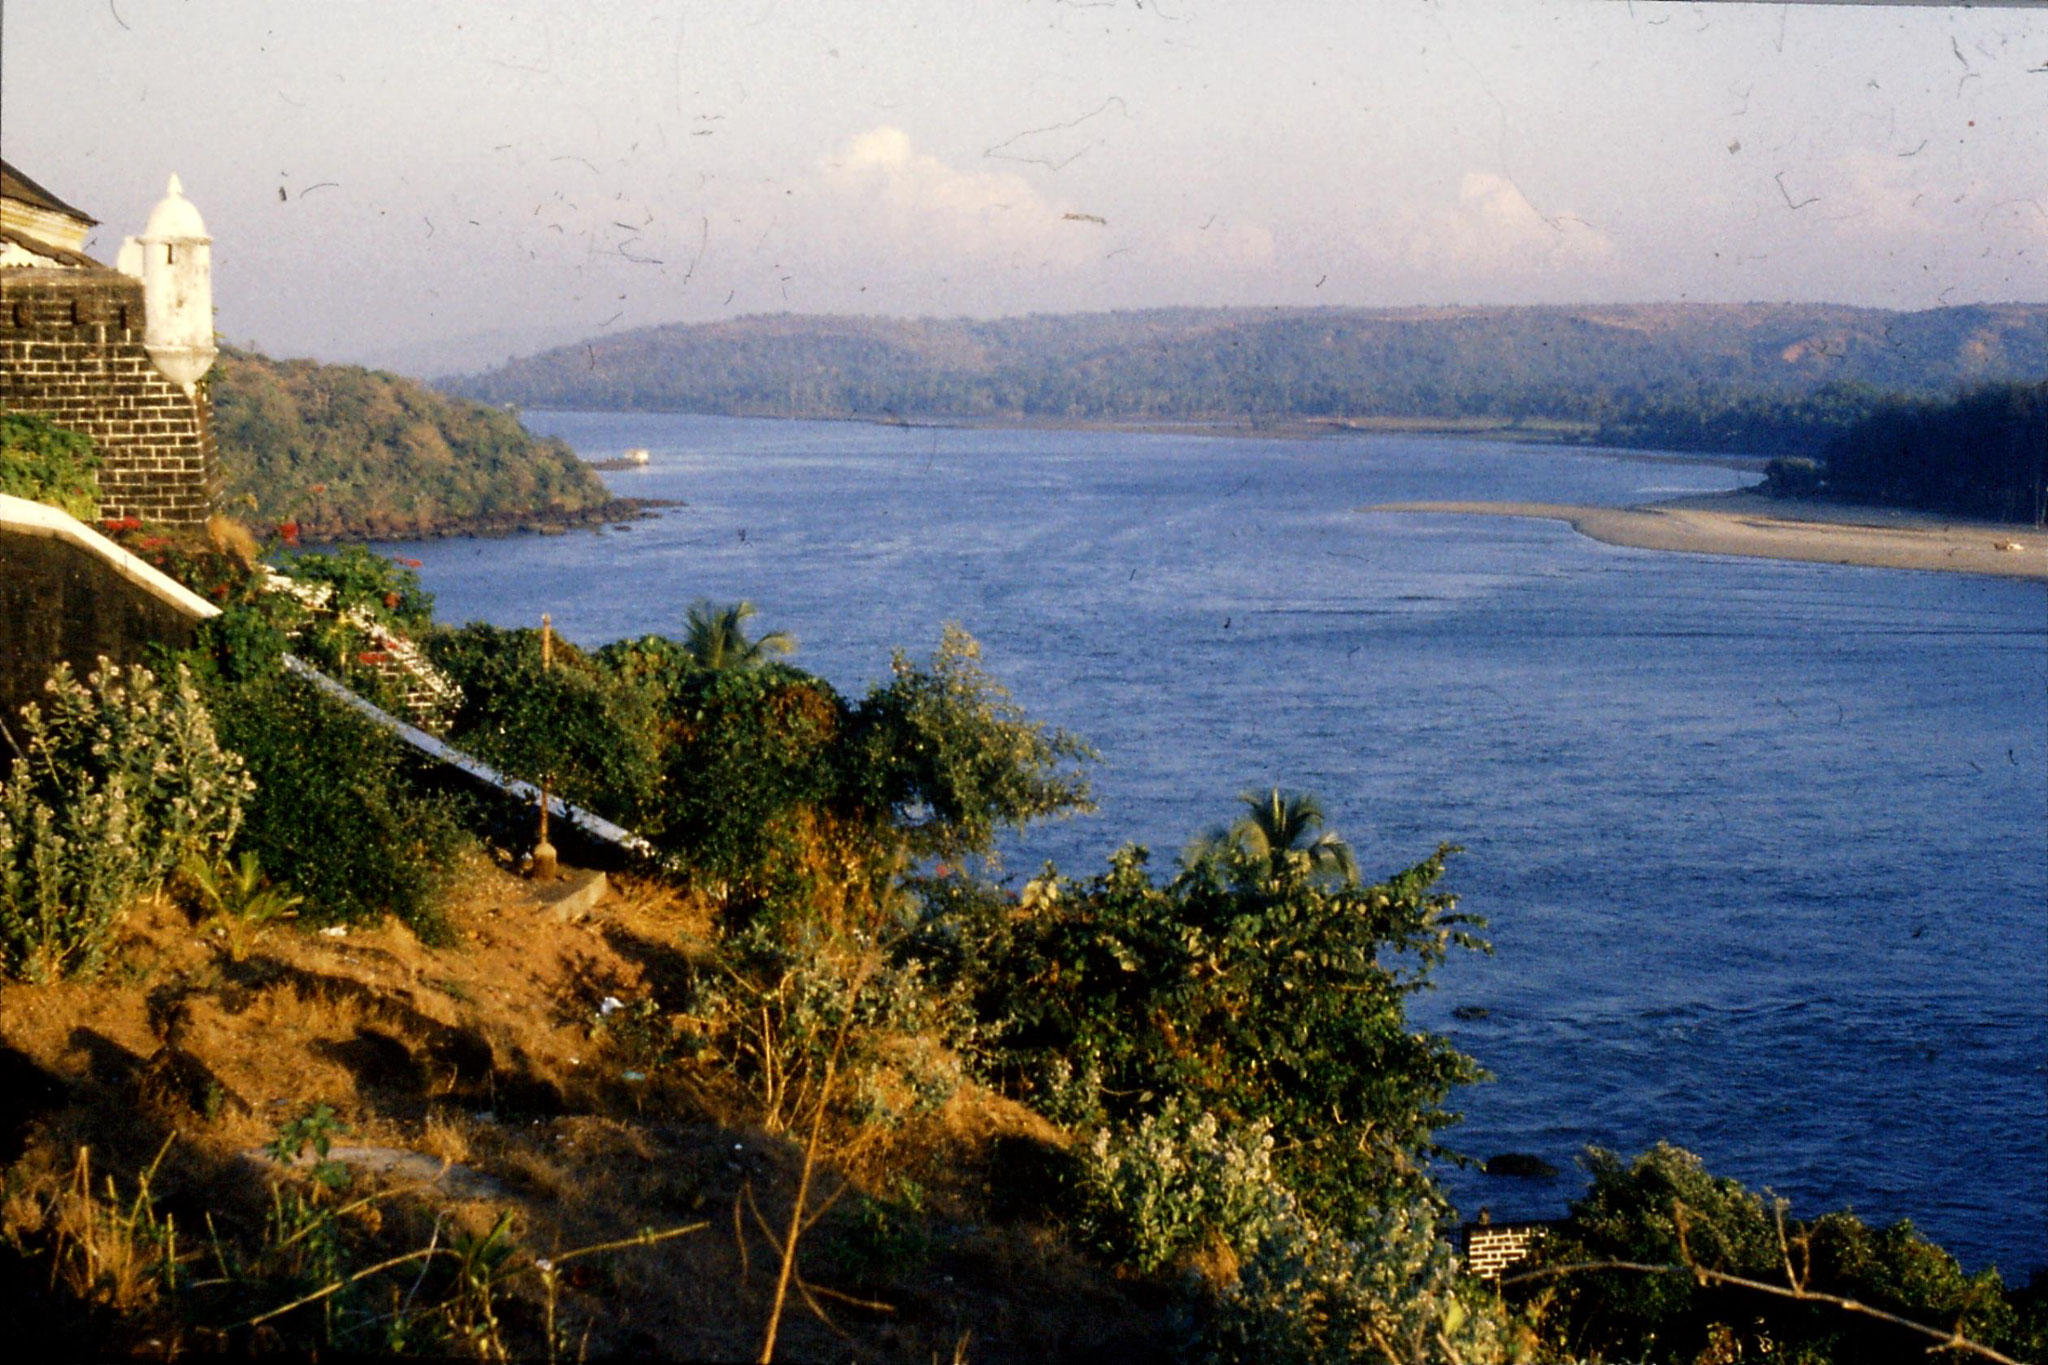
[{"x": 635, "y": 458}]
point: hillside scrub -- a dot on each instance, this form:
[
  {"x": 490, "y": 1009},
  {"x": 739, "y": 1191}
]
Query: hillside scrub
[{"x": 337, "y": 450}]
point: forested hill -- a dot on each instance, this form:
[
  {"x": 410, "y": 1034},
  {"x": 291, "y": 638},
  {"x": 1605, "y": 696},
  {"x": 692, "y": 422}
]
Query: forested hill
[
  {"x": 346, "y": 452},
  {"x": 1586, "y": 364}
]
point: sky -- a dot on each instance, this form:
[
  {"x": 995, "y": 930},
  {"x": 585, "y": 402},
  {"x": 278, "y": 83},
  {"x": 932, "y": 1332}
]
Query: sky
[{"x": 434, "y": 185}]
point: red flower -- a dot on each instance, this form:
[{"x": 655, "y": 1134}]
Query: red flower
[
  {"x": 289, "y": 530},
  {"x": 373, "y": 656},
  {"x": 391, "y": 601}
]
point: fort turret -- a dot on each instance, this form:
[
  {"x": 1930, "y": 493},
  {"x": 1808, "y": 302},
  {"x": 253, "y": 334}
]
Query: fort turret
[{"x": 174, "y": 260}]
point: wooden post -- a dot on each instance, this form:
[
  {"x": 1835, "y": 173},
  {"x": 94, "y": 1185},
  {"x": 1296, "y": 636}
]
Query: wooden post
[{"x": 544, "y": 864}]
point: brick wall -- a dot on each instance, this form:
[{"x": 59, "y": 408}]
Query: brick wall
[
  {"x": 71, "y": 351},
  {"x": 1492, "y": 1247}
]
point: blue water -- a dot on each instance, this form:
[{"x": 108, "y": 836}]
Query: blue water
[{"x": 1761, "y": 844}]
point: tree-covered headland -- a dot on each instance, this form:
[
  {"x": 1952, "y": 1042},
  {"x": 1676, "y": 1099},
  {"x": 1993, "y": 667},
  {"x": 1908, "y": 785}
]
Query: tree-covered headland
[{"x": 339, "y": 451}]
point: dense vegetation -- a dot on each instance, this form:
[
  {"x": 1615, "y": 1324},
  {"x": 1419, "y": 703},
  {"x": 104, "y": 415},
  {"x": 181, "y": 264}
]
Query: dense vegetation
[
  {"x": 45, "y": 463},
  {"x": 1748, "y": 421},
  {"x": 1616, "y": 364},
  {"x": 337, "y": 451},
  {"x": 1663, "y": 1209},
  {"x": 1983, "y": 454}
]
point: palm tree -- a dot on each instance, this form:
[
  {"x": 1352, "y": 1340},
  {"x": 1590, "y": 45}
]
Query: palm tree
[
  {"x": 717, "y": 638},
  {"x": 1279, "y": 828}
]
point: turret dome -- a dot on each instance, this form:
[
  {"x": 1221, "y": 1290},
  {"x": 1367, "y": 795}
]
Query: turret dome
[{"x": 174, "y": 218}]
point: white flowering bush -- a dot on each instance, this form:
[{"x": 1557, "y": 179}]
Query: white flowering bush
[
  {"x": 115, "y": 782},
  {"x": 1391, "y": 1292},
  {"x": 1164, "y": 1190}
]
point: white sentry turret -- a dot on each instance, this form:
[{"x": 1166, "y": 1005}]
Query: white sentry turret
[{"x": 174, "y": 260}]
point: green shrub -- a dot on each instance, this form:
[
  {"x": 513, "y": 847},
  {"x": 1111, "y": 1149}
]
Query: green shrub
[
  {"x": 359, "y": 579},
  {"x": 246, "y": 641},
  {"x": 46, "y": 463},
  {"x": 117, "y": 783},
  {"x": 337, "y": 815},
  {"x": 1164, "y": 1190},
  {"x": 881, "y": 1240},
  {"x": 952, "y": 759},
  {"x": 752, "y": 765},
  {"x": 1276, "y": 995},
  {"x": 588, "y": 734},
  {"x": 1792, "y": 476},
  {"x": 779, "y": 995},
  {"x": 1665, "y": 1209},
  {"x": 1388, "y": 1291}
]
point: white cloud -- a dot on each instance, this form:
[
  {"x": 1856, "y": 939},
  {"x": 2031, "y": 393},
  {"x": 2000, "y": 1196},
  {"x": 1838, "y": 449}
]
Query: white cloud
[
  {"x": 915, "y": 201},
  {"x": 1493, "y": 230}
]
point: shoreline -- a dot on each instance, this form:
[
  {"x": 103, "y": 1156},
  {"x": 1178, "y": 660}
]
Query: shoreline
[
  {"x": 537, "y": 521},
  {"x": 1574, "y": 437},
  {"x": 1749, "y": 525}
]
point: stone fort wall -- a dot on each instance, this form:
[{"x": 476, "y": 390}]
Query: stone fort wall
[
  {"x": 71, "y": 351},
  {"x": 69, "y": 595}
]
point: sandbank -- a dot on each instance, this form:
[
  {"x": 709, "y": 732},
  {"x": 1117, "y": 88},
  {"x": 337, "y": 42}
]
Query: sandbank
[{"x": 1746, "y": 523}]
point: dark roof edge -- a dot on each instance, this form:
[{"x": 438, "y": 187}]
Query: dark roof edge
[
  {"x": 76, "y": 260},
  {"x": 15, "y": 185}
]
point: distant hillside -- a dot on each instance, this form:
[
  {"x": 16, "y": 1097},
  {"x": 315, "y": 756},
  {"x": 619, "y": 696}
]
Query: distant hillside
[
  {"x": 347, "y": 452},
  {"x": 1592, "y": 364}
]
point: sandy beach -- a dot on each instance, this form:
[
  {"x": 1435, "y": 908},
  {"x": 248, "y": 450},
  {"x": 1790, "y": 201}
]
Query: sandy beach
[{"x": 1745, "y": 523}]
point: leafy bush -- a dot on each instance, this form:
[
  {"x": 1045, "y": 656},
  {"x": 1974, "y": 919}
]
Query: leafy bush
[
  {"x": 762, "y": 780},
  {"x": 117, "y": 783},
  {"x": 1262, "y": 993},
  {"x": 880, "y": 1240},
  {"x": 782, "y": 1001},
  {"x": 359, "y": 579},
  {"x": 1176, "y": 1182},
  {"x": 1389, "y": 1290},
  {"x": 46, "y": 463},
  {"x": 218, "y": 561},
  {"x": 338, "y": 816},
  {"x": 945, "y": 751},
  {"x": 1793, "y": 476},
  {"x": 751, "y": 767},
  {"x": 590, "y": 736},
  {"x": 1665, "y": 1209},
  {"x": 246, "y": 641}
]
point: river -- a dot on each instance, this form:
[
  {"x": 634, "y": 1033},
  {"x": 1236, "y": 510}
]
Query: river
[{"x": 1761, "y": 844}]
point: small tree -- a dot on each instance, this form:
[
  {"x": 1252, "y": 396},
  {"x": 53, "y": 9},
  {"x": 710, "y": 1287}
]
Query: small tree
[
  {"x": 716, "y": 637},
  {"x": 1277, "y": 999},
  {"x": 1279, "y": 830}
]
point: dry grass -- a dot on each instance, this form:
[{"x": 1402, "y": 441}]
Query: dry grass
[{"x": 482, "y": 1054}]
